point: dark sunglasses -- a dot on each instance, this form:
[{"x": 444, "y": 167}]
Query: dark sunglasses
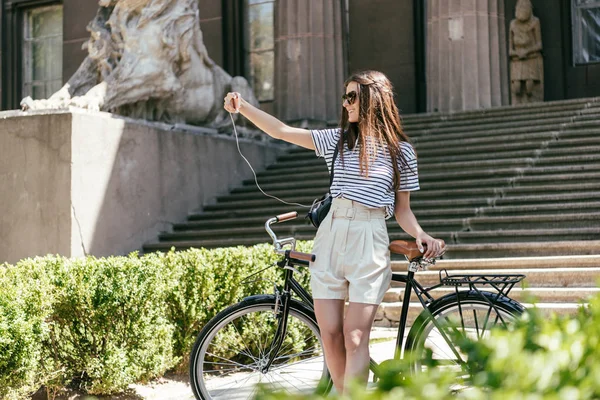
[{"x": 349, "y": 97}]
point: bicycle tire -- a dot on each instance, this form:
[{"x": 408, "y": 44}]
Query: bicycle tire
[
  {"x": 467, "y": 306},
  {"x": 230, "y": 378}
]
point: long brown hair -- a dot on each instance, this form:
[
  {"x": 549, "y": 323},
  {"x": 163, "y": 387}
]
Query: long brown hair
[{"x": 378, "y": 120}]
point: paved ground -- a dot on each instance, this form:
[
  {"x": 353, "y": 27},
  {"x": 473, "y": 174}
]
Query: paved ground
[{"x": 173, "y": 388}]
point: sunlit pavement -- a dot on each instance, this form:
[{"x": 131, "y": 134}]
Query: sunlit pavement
[{"x": 382, "y": 348}]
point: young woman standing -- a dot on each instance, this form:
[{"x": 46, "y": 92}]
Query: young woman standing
[{"x": 375, "y": 171}]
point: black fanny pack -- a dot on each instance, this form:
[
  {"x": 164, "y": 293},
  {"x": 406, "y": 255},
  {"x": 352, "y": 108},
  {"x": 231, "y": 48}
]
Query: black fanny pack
[{"x": 320, "y": 207}]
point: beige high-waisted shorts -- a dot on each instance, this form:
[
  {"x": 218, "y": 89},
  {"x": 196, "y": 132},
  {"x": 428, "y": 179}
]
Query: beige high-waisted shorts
[{"x": 352, "y": 256}]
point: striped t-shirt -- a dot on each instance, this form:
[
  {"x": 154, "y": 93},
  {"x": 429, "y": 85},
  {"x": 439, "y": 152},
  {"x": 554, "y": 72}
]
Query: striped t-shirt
[{"x": 378, "y": 189}]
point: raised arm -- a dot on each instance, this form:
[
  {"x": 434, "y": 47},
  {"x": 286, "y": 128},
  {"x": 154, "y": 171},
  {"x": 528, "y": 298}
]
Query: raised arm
[{"x": 267, "y": 123}]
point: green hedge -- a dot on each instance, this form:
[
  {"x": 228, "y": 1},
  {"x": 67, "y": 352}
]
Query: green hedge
[{"x": 100, "y": 324}]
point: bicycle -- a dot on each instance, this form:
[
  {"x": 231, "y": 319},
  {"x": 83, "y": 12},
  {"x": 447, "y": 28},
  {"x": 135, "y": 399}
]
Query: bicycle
[{"x": 274, "y": 339}]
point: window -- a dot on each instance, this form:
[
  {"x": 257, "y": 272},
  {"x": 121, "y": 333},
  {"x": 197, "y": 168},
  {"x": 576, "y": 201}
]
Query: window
[
  {"x": 260, "y": 45},
  {"x": 42, "y": 51},
  {"x": 585, "y": 16}
]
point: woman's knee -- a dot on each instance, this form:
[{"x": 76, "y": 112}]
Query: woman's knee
[{"x": 355, "y": 338}]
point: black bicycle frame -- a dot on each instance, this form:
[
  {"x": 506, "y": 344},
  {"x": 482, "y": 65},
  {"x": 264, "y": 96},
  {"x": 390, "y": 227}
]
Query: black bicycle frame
[
  {"x": 283, "y": 301},
  {"x": 411, "y": 284},
  {"x": 502, "y": 283}
]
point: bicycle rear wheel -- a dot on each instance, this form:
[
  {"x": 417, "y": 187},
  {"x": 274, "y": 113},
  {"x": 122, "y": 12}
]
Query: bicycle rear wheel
[
  {"x": 469, "y": 313},
  {"x": 230, "y": 352}
]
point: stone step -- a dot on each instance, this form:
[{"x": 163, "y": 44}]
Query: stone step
[
  {"x": 553, "y": 148},
  {"x": 455, "y": 251},
  {"x": 433, "y": 165},
  {"x": 523, "y": 249},
  {"x": 502, "y": 263},
  {"x": 388, "y": 314},
  {"x": 523, "y": 235},
  {"x": 217, "y": 214},
  {"x": 424, "y": 164},
  {"x": 251, "y": 236},
  {"x": 552, "y": 221},
  {"x": 537, "y": 294},
  {"x": 571, "y": 277},
  {"x": 505, "y": 111},
  {"x": 497, "y": 136},
  {"x": 507, "y": 128},
  {"x": 479, "y": 148},
  {"x": 544, "y": 199},
  {"x": 314, "y": 173},
  {"x": 540, "y": 209},
  {"x": 300, "y": 223},
  {"x": 452, "y": 217},
  {"x": 490, "y": 191},
  {"x": 573, "y": 177},
  {"x": 253, "y": 226},
  {"x": 269, "y": 203},
  {"x": 575, "y": 142},
  {"x": 423, "y": 203}
]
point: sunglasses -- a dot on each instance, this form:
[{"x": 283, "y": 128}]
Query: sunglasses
[{"x": 349, "y": 97}]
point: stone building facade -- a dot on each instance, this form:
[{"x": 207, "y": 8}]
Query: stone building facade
[{"x": 441, "y": 55}]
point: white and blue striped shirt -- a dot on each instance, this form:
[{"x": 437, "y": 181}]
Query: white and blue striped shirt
[{"x": 378, "y": 189}]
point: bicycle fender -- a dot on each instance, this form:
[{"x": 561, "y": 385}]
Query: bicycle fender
[
  {"x": 262, "y": 298},
  {"x": 466, "y": 295}
]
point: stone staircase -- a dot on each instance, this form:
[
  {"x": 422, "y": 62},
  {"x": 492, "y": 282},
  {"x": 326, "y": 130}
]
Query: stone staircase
[
  {"x": 516, "y": 184},
  {"x": 555, "y": 284}
]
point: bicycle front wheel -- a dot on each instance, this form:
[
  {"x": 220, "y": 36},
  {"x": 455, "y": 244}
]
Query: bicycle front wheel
[
  {"x": 468, "y": 314},
  {"x": 228, "y": 359}
]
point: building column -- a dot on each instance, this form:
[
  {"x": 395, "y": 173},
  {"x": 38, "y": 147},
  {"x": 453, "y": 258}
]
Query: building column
[
  {"x": 466, "y": 55},
  {"x": 309, "y": 64}
]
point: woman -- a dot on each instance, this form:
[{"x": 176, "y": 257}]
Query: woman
[{"x": 375, "y": 170}]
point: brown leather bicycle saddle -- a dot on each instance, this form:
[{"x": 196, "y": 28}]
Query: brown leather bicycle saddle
[{"x": 409, "y": 249}]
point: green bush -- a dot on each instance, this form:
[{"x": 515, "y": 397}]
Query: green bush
[
  {"x": 100, "y": 324},
  {"x": 25, "y": 304},
  {"x": 108, "y": 326},
  {"x": 210, "y": 280}
]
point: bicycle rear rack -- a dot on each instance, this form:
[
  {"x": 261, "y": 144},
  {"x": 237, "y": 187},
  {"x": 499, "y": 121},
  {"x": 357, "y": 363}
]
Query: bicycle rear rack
[{"x": 503, "y": 283}]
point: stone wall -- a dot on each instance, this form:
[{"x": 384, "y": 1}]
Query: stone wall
[{"x": 76, "y": 182}]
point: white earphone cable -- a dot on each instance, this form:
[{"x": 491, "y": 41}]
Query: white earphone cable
[{"x": 254, "y": 173}]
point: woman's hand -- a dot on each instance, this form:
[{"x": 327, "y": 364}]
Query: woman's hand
[
  {"x": 435, "y": 247},
  {"x": 233, "y": 102}
]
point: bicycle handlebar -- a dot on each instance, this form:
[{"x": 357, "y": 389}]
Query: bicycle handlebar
[
  {"x": 286, "y": 216},
  {"x": 280, "y": 243},
  {"x": 302, "y": 256}
]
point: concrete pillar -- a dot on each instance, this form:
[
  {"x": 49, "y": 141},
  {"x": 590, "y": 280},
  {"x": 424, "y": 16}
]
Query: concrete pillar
[
  {"x": 466, "y": 55},
  {"x": 309, "y": 65}
]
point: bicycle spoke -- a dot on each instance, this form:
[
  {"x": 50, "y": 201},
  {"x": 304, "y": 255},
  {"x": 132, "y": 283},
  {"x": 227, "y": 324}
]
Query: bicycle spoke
[
  {"x": 289, "y": 357},
  {"x": 470, "y": 317},
  {"x": 244, "y": 343},
  {"x": 476, "y": 325},
  {"x": 235, "y": 363},
  {"x": 232, "y": 357}
]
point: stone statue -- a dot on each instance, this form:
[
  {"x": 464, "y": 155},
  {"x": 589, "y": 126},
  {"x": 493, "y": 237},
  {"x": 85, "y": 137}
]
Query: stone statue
[
  {"x": 525, "y": 52},
  {"x": 147, "y": 59}
]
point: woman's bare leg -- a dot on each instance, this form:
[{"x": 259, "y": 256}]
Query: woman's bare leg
[
  {"x": 357, "y": 330},
  {"x": 330, "y": 317}
]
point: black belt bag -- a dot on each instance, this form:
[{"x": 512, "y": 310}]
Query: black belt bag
[{"x": 321, "y": 206}]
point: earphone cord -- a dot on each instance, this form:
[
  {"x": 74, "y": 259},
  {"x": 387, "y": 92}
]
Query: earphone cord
[{"x": 254, "y": 173}]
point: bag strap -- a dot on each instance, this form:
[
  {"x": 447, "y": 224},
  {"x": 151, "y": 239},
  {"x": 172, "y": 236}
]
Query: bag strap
[{"x": 335, "y": 153}]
